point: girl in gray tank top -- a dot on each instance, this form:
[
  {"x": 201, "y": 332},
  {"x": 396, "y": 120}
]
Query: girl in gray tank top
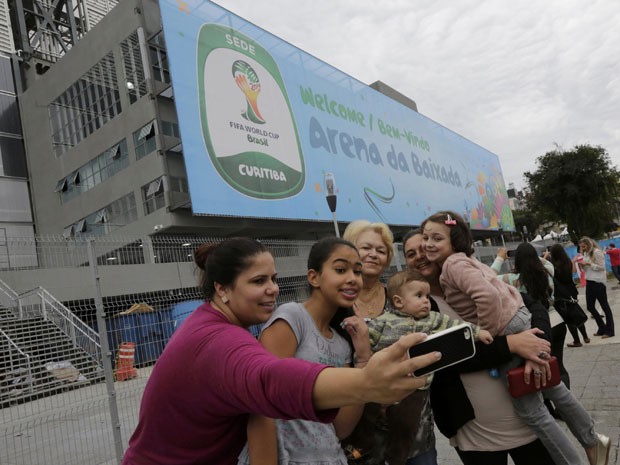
[{"x": 312, "y": 331}]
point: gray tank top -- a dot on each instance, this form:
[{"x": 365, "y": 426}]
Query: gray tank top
[{"x": 300, "y": 441}]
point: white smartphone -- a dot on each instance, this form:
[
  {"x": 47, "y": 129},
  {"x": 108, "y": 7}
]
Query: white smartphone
[{"x": 456, "y": 344}]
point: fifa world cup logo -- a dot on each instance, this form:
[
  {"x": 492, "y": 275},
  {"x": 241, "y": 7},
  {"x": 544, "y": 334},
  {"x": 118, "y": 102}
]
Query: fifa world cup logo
[{"x": 248, "y": 82}]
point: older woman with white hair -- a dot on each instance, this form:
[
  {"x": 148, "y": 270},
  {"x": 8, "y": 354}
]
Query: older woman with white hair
[{"x": 375, "y": 244}]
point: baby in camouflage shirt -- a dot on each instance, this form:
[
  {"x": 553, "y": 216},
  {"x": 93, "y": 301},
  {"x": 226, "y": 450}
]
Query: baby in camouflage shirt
[
  {"x": 387, "y": 433},
  {"x": 409, "y": 294}
]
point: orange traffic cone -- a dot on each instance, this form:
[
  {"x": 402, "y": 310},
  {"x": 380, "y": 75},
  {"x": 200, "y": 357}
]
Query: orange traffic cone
[{"x": 124, "y": 362}]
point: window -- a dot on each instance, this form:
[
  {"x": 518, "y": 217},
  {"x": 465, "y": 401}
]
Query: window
[
  {"x": 134, "y": 68},
  {"x": 12, "y": 157},
  {"x": 10, "y": 122},
  {"x": 178, "y": 184},
  {"x": 154, "y": 188},
  {"x": 159, "y": 58},
  {"x": 153, "y": 195},
  {"x": 80, "y": 227},
  {"x": 113, "y": 216},
  {"x": 85, "y": 106},
  {"x": 144, "y": 140},
  {"x": 178, "y": 192},
  {"x": 62, "y": 185},
  {"x": 123, "y": 211},
  {"x": 97, "y": 170},
  {"x": 101, "y": 217},
  {"x": 67, "y": 233},
  {"x": 170, "y": 129}
]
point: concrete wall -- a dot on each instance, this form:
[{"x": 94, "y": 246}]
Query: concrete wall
[
  {"x": 70, "y": 284},
  {"x": 46, "y": 169}
]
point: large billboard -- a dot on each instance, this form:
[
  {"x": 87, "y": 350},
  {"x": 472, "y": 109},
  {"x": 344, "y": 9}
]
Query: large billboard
[{"x": 267, "y": 128}]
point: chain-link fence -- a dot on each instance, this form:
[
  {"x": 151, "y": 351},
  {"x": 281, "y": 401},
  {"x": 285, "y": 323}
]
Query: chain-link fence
[{"x": 81, "y": 325}]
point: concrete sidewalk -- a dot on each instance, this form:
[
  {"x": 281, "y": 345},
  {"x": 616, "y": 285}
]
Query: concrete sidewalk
[{"x": 595, "y": 380}]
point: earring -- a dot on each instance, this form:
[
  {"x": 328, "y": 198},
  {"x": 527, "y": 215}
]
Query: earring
[{"x": 224, "y": 299}]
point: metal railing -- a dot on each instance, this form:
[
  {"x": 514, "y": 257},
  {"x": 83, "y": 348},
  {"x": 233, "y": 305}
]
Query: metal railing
[
  {"x": 17, "y": 375},
  {"x": 8, "y": 298},
  {"x": 40, "y": 303}
]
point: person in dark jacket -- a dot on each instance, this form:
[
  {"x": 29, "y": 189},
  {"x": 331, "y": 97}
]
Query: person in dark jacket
[{"x": 564, "y": 269}]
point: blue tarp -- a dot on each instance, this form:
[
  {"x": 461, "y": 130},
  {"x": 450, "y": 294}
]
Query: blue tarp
[
  {"x": 149, "y": 331},
  {"x": 182, "y": 310}
]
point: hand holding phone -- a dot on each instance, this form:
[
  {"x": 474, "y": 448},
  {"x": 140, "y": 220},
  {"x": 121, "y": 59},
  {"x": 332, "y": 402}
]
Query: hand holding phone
[{"x": 456, "y": 344}]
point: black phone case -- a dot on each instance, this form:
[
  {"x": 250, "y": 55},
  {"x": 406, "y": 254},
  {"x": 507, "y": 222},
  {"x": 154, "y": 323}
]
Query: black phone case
[{"x": 455, "y": 344}]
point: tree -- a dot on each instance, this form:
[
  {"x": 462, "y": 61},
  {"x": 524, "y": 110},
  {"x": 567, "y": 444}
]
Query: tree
[
  {"x": 528, "y": 218},
  {"x": 578, "y": 187}
]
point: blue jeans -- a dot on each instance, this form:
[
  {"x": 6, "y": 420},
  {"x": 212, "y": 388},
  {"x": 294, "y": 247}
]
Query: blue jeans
[
  {"x": 534, "y": 413},
  {"x": 573, "y": 413},
  {"x": 426, "y": 458}
]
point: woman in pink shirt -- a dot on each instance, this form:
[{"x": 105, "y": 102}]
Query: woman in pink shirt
[{"x": 213, "y": 373}]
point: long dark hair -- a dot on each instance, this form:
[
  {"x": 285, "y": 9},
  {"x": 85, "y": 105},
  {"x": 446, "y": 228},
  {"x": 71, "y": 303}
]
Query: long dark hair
[
  {"x": 319, "y": 254},
  {"x": 532, "y": 273},
  {"x": 224, "y": 261},
  {"x": 563, "y": 267}
]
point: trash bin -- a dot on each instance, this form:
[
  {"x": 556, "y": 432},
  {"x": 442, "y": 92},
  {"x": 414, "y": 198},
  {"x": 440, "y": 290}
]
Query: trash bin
[
  {"x": 182, "y": 310},
  {"x": 150, "y": 338}
]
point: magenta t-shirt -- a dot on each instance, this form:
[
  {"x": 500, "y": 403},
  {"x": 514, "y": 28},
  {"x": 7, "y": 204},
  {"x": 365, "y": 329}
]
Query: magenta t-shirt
[{"x": 211, "y": 375}]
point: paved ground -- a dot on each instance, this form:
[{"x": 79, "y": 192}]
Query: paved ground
[{"x": 595, "y": 380}]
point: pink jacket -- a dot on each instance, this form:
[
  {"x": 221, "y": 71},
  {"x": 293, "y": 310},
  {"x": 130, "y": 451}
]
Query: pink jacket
[{"x": 474, "y": 291}]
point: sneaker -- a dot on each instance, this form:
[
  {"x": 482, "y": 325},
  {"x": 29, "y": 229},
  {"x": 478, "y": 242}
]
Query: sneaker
[{"x": 603, "y": 446}]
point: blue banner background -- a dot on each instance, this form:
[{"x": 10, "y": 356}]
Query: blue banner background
[{"x": 363, "y": 186}]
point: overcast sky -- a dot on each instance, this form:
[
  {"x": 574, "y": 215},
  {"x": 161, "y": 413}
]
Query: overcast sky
[{"x": 515, "y": 77}]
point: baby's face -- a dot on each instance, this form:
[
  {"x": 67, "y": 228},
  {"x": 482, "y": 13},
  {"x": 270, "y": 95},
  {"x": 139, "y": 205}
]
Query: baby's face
[{"x": 415, "y": 299}]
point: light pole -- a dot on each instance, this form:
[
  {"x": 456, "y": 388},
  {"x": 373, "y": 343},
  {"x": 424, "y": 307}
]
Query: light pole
[{"x": 330, "y": 196}]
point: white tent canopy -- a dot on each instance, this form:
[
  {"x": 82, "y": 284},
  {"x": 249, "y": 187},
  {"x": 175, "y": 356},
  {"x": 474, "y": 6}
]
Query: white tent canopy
[{"x": 551, "y": 235}]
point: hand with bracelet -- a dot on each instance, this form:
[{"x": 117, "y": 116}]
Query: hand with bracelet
[
  {"x": 535, "y": 351},
  {"x": 357, "y": 328}
]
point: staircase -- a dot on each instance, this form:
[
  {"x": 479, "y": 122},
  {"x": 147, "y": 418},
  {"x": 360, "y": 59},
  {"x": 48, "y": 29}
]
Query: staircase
[
  {"x": 44, "y": 348},
  {"x": 40, "y": 361}
]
